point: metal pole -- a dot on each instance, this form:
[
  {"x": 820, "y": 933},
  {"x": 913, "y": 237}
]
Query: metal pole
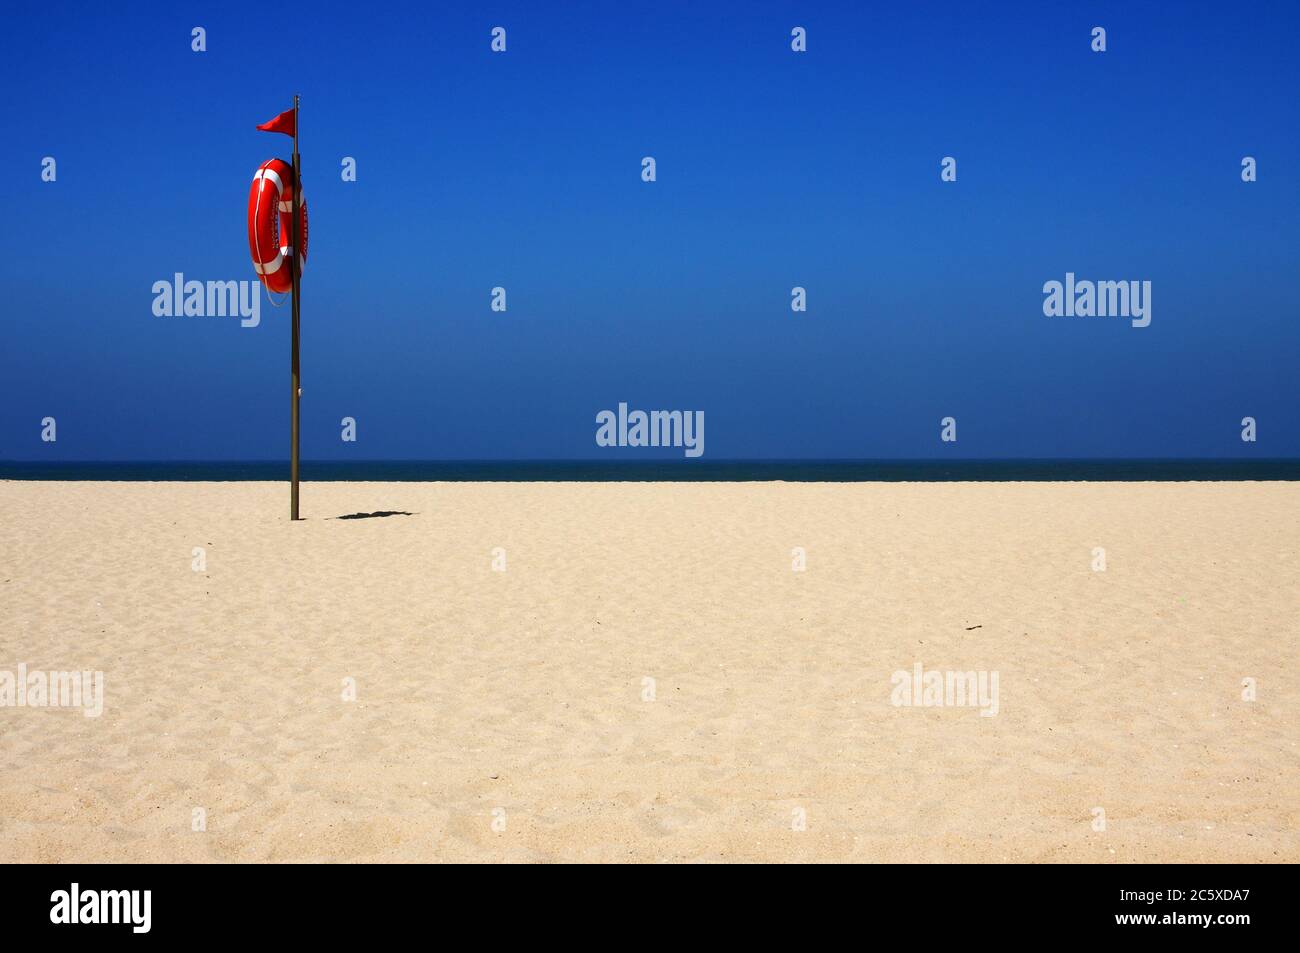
[{"x": 297, "y": 281}]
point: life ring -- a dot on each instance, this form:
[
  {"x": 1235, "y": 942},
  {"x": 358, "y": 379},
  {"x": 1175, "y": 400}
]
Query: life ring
[{"x": 269, "y": 202}]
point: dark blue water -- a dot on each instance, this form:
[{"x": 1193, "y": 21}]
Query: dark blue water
[{"x": 804, "y": 471}]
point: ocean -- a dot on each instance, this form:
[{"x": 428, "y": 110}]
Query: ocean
[{"x": 676, "y": 470}]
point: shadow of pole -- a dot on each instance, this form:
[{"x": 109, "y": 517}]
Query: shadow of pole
[{"x": 378, "y": 514}]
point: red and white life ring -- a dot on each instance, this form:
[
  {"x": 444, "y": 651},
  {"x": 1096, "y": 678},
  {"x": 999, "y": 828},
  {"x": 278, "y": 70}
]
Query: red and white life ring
[{"x": 269, "y": 202}]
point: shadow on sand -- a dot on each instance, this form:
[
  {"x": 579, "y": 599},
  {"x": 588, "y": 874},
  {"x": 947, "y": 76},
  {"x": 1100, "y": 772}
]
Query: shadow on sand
[{"x": 374, "y": 515}]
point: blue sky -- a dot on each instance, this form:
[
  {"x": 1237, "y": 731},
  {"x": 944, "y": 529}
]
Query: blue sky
[{"x": 775, "y": 169}]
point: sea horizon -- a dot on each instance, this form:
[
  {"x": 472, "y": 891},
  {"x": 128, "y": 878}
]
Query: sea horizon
[{"x": 667, "y": 470}]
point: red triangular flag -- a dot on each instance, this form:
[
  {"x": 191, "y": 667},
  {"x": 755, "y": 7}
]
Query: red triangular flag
[{"x": 282, "y": 123}]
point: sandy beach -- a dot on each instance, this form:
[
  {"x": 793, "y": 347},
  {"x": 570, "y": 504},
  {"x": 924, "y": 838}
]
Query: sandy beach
[{"x": 609, "y": 672}]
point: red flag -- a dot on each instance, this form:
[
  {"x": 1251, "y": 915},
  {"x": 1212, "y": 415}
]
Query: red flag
[{"x": 282, "y": 123}]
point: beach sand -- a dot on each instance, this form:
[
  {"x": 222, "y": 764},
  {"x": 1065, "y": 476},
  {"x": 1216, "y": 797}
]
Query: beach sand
[{"x": 508, "y": 716}]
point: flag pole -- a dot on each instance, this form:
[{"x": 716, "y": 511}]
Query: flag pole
[{"x": 297, "y": 283}]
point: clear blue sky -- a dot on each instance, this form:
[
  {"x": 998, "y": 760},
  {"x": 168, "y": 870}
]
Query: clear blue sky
[{"x": 775, "y": 169}]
